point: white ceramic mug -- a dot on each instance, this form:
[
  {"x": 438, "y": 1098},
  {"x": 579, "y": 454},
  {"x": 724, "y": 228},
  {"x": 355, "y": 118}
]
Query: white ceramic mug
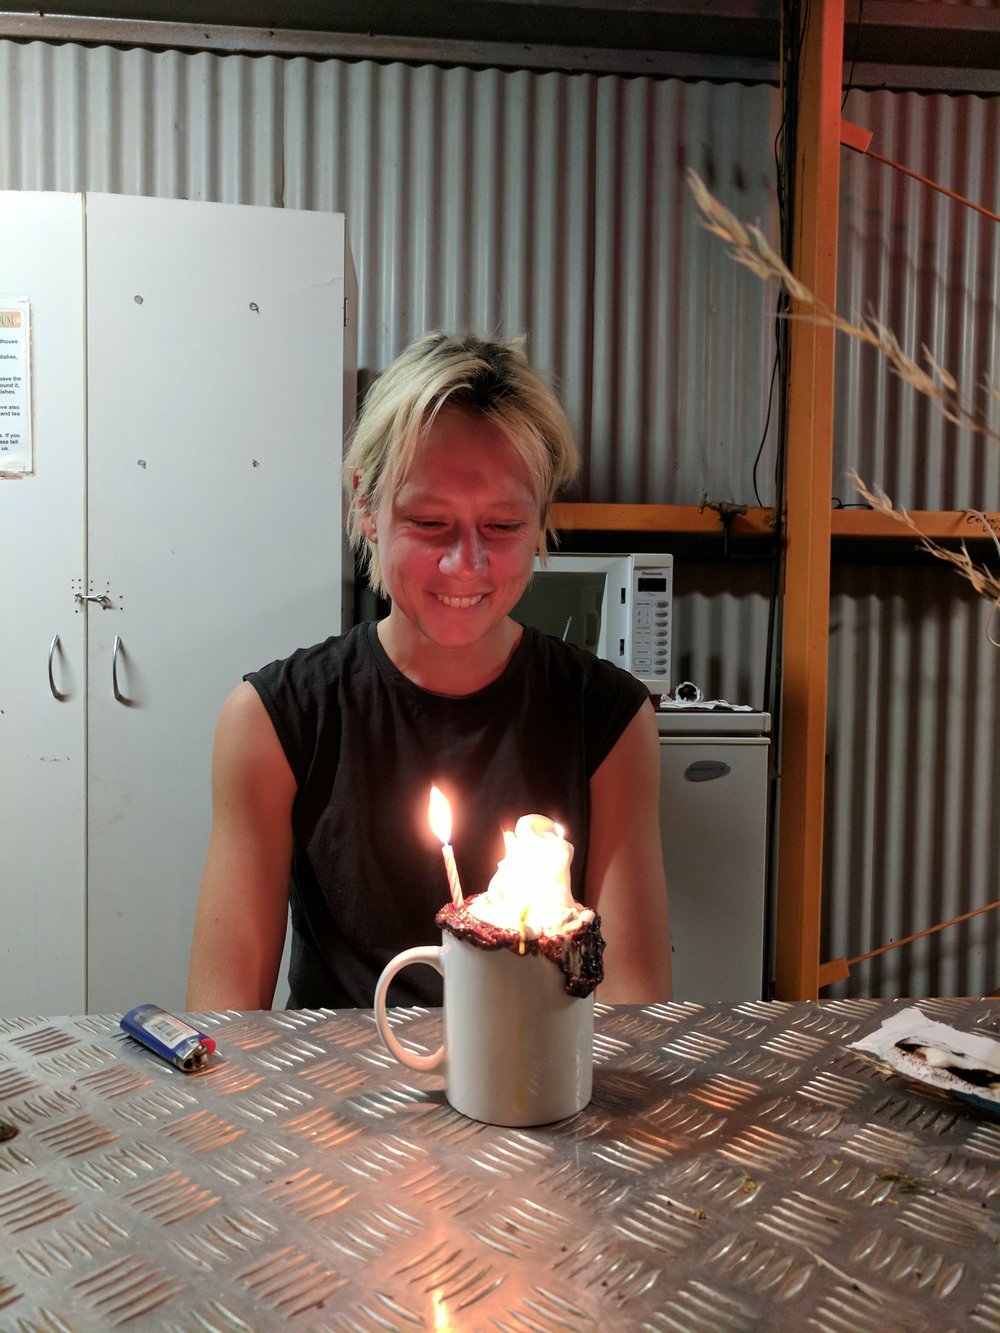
[{"x": 517, "y": 1049}]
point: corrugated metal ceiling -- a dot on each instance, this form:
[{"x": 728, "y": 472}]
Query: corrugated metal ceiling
[{"x": 940, "y": 44}]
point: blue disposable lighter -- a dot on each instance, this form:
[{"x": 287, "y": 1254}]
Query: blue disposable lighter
[{"x": 168, "y": 1036}]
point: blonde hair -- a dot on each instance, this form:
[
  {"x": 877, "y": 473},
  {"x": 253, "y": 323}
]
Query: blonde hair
[{"x": 488, "y": 379}]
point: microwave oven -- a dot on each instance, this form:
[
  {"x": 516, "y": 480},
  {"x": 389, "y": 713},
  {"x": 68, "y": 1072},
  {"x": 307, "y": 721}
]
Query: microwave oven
[{"x": 617, "y": 606}]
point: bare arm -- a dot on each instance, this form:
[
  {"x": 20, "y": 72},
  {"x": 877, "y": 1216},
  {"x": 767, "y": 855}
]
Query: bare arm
[
  {"x": 239, "y": 929},
  {"x": 625, "y": 879}
]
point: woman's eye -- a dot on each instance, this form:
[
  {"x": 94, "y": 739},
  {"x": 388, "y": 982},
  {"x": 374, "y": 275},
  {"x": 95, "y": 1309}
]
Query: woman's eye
[
  {"x": 425, "y": 523},
  {"x": 504, "y": 529}
]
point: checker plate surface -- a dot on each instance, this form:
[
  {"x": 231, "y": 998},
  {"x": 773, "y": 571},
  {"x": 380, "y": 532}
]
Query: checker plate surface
[{"x": 738, "y": 1168}]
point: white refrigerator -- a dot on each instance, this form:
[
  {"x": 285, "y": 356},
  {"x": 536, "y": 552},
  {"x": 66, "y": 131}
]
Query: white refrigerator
[{"x": 713, "y": 821}]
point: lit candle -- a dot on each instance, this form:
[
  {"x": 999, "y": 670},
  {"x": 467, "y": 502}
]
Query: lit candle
[{"x": 439, "y": 816}]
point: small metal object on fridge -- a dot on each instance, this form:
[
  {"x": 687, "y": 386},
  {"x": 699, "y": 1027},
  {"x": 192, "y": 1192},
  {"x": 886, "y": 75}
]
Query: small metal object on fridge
[{"x": 168, "y": 1036}]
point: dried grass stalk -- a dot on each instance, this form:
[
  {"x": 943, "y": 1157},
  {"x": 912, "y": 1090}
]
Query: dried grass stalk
[
  {"x": 748, "y": 246},
  {"x": 984, "y": 582}
]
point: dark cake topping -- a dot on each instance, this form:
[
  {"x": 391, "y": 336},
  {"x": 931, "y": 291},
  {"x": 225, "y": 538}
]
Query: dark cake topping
[{"x": 579, "y": 952}]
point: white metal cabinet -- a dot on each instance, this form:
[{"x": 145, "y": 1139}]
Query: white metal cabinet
[
  {"x": 220, "y": 379},
  {"x": 713, "y": 824},
  {"x": 42, "y": 759}
]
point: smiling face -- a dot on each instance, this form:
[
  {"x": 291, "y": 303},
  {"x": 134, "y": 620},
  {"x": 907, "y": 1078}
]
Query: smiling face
[{"x": 457, "y": 539}]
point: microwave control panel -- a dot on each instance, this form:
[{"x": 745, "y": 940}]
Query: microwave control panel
[{"x": 652, "y": 589}]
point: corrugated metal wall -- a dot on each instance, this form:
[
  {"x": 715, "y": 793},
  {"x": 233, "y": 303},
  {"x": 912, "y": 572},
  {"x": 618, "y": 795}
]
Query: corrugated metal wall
[
  {"x": 554, "y": 205},
  {"x": 546, "y": 204},
  {"x": 930, "y": 268},
  {"x": 913, "y": 834}
]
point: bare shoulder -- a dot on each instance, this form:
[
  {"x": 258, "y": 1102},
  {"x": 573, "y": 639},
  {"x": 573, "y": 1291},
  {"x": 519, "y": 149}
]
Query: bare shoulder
[
  {"x": 639, "y": 744},
  {"x": 247, "y": 750},
  {"x": 244, "y": 709}
]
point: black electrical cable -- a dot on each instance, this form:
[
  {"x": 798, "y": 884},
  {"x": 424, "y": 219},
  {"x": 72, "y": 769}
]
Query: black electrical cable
[
  {"x": 794, "y": 16},
  {"x": 767, "y": 424},
  {"x": 854, "y": 54}
]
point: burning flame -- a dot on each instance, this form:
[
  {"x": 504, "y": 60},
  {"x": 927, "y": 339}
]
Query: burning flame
[
  {"x": 439, "y": 816},
  {"x": 530, "y": 891}
]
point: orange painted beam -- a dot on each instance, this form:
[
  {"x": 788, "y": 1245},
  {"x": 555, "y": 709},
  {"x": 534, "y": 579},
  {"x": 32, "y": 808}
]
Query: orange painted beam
[
  {"x": 756, "y": 522},
  {"x": 808, "y": 486},
  {"x": 685, "y": 520},
  {"x": 633, "y": 518},
  {"x": 691, "y": 519},
  {"x": 939, "y": 524}
]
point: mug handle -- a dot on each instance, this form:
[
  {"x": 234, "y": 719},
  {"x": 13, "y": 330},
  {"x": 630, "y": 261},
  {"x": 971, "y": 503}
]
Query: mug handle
[{"x": 430, "y": 954}]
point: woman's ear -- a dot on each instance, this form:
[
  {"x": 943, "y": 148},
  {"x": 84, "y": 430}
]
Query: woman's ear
[
  {"x": 366, "y": 526},
  {"x": 543, "y": 520},
  {"x": 366, "y": 520}
]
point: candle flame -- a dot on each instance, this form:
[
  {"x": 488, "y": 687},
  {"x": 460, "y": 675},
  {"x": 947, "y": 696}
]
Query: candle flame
[{"x": 439, "y": 816}]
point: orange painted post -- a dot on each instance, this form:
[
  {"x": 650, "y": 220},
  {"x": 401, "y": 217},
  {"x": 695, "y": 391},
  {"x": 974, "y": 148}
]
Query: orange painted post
[{"x": 808, "y": 478}]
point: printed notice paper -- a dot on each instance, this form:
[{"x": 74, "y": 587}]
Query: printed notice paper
[{"x": 15, "y": 385}]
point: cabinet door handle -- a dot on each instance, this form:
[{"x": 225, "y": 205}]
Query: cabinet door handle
[
  {"x": 114, "y": 670},
  {"x": 52, "y": 684}
]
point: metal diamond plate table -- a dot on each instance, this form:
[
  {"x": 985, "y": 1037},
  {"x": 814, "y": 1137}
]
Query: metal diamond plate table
[{"x": 738, "y": 1168}]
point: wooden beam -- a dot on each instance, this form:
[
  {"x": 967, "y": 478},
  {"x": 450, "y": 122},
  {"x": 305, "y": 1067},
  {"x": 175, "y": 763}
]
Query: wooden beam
[
  {"x": 808, "y": 487},
  {"x": 939, "y": 524},
  {"x": 687, "y": 520}
]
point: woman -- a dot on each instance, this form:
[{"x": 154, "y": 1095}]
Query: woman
[{"x": 323, "y": 762}]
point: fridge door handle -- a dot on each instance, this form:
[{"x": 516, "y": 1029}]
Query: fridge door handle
[
  {"x": 52, "y": 683},
  {"x": 114, "y": 671},
  {"x": 706, "y": 770}
]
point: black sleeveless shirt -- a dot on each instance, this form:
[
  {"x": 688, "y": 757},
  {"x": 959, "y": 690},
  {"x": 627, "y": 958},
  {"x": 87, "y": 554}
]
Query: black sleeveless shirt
[{"x": 365, "y": 745}]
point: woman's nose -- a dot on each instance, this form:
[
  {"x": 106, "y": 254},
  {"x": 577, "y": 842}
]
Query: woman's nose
[{"x": 466, "y": 554}]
